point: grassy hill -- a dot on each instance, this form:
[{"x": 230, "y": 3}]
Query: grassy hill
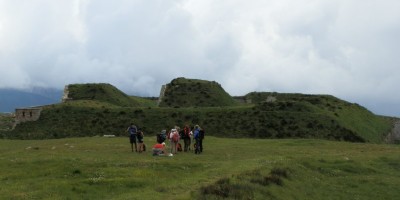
[
  {"x": 182, "y": 92},
  {"x": 102, "y": 109},
  {"x": 6, "y": 121},
  {"x": 101, "y": 92},
  {"x": 105, "y": 168},
  {"x": 351, "y": 116}
]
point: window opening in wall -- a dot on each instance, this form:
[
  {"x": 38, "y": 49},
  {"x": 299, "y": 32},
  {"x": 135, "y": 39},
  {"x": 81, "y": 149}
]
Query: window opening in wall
[
  {"x": 23, "y": 114},
  {"x": 30, "y": 114}
]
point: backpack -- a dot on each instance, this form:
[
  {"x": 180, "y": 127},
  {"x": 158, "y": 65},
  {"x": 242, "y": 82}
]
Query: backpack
[
  {"x": 175, "y": 136},
  {"x": 186, "y": 132},
  {"x": 140, "y": 134},
  {"x": 159, "y": 138},
  {"x": 144, "y": 147},
  {"x": 201, "y": 134},
  {"x": 179, "y": 147}
]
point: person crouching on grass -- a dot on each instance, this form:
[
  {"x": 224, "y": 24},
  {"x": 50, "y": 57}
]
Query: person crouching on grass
[{"x": 159, "y": 149}]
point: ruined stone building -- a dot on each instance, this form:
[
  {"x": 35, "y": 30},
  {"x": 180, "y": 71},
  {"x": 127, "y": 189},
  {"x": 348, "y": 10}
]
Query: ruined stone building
[{"x": 27, "y": 114}]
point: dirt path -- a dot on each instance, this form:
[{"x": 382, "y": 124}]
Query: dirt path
[{"x": 394, "y": 136}]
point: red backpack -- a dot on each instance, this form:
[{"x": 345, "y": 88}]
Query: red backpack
[
  {"x": 175, "y": 136},
  {"x": 186, "y": 132},
  {"x": 179, "y": 147}
]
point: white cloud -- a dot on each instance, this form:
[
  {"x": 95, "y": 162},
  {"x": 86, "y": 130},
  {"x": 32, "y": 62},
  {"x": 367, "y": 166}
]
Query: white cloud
[{"x": 344, "y": 48}]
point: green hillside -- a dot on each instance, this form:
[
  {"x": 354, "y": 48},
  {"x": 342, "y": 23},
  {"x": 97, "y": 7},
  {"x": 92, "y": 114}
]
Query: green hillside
[
  {"x": 101, "y": 92},
  {"x": 182, "y": 92},
  {"x": 6, "y": 121},
  {"x": 265, "y": 115},
  {"x": 348, "y": 115}
]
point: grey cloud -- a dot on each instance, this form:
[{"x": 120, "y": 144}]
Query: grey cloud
[{"x": 344, "y": 48}]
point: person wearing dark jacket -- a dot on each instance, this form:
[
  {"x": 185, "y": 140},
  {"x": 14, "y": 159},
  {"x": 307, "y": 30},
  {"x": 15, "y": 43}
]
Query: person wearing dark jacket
[
  {"x": 201, "y": 138},
  {"x": 132, "y": 130},
  {"x": 186, "y": 138}
]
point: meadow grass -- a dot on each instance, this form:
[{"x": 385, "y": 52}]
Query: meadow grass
[{"x": 105, "y": 168}]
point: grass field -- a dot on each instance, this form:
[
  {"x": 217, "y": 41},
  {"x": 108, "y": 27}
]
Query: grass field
[{"x": 104, "y": 168}]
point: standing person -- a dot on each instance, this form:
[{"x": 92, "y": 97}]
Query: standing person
[
  {"x": 196, "y": 134},
  {"x": 174, "y": 139},
  {"x": 186, "y": 137},
  {"x": 191, "y": 140},
  {"x": 201, "y": 136},
  {"x": 132, "y": 130},
  {"x": 140, "y": 136}
]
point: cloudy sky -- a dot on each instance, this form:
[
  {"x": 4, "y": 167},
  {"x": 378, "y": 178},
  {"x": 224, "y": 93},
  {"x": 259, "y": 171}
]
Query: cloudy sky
[{"x": 346, "y": 48}]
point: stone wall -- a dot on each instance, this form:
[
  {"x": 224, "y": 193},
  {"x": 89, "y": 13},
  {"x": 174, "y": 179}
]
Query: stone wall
[
  {"x": 27, "y": 114},
  {"x": 162, "y": 93}
]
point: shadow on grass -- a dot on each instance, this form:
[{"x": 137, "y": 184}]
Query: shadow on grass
[{"x": 245, "y": 185}]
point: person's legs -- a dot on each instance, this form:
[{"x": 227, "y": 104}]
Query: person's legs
[
  {"x": 201, "y": 145},
  {"x": 132, "y": 140},
  {"x": 186, "y": 144},
  {"x": 140, "y": 141},
  {"x": 135, "y": 146},
  {"x": 157, "y": 152},
  {"x": 197, "y": 149}
]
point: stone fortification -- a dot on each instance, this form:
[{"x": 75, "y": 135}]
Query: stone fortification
[
  {"x": 162, "y": 93},
  {"x": 65, "y": 96},
  {"x": 27, "y": 114}
]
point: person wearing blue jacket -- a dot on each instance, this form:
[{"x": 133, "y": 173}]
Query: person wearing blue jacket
[{"x": 196, "y": 134}]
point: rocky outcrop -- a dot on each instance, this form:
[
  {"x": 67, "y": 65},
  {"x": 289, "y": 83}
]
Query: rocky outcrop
[
  {"x": 162, "y": 93},
  {"x": 65, "y": 96},
  {"x": 394, "y": 135}
]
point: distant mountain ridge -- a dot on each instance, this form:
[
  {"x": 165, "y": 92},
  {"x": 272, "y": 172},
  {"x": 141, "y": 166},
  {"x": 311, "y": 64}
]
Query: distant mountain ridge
[{"x": 15, "y": 98}]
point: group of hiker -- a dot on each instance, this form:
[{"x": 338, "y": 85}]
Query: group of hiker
[{"x": 174, "y": 137}]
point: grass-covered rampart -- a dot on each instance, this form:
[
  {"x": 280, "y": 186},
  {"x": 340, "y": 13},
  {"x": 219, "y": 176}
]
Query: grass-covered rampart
[
  {"x": 269, "y": 120},
  {"x": 182, "y": 92},
  {"x": 98, "y": 109},
  {"x": 101, "y": 92}
]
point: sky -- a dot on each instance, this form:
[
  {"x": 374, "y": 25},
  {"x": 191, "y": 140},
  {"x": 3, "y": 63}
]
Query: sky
[{"x": 346, "y": 48}]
